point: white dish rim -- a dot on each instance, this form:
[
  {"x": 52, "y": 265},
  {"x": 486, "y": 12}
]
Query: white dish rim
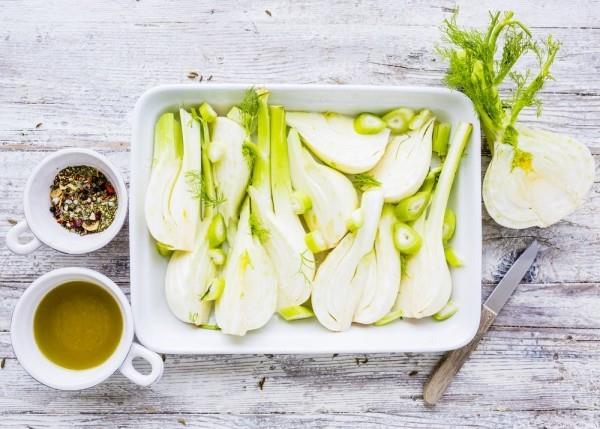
[{"x": 138, "y": 119}]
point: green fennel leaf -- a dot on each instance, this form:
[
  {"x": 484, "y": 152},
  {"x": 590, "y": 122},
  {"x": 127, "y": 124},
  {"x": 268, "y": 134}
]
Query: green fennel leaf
[
  {"x": 197, "y": 187},
  {"x": 249, "y": 110},
  {"x": 364, "y": 181},
  {"x": 480, "y": 62}
]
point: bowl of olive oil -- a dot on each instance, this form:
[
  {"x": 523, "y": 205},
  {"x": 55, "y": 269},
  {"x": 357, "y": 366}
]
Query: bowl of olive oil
[{"x": 73, "y": 328}]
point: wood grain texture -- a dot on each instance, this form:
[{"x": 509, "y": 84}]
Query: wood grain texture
[{"x": 70, "y": 73}]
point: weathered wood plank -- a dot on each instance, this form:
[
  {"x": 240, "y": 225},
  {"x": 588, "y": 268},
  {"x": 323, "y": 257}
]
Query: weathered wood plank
[
  {"x": 513, "y": 369},
  {"x": 85, "y": 93},
  {"x": 550, "y": 14},
  {"x": 430, "y": 419}
]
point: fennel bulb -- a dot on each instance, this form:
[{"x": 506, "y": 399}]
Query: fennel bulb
[
  {"x": 292, "y": 261},
  {"x": 249, "y": 298},
  {"x": 380, "y": 286},
  {"x": 554, "y": 185},
  {"x": 332, "y": 196},
  {"x": 231, "y": 169},
  {"x": 405, "y": 163},
  {"x": 339, "y": 283},
  {"x": 427, "y": 285},
  {"x": 166, "y": 164},
  {"x": 334, "y": 140},
  {"x": 535, "y": 177}
]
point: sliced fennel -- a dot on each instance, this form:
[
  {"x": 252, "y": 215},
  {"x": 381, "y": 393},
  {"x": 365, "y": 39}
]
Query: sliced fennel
[
  {"x": 367, "y": 123},
  {"x": 452, "y": 258},
  {"x": 231, "y": 170},
  {"x": 381, "y": 285},
  {"x": 447, "y": 311},
  {"x": 191, "y": 274},
  {"x": 405, "y": 163},
  {"x": 341, "y": 278},
  {"x": 249, "y": 298},
  {"x": 296, "y": 312},
  {"x": 535, "y": 177},
  {"x": 333, "y": 198},
  {"x": 292, "y": 260},
  {"x": 166, "y": 164},
  {"x": 185, "y": 199},
  {"x": 187, "y": 279},
  {"x": 389, "y": 318},
  {"x": 334, "y": 140},
  {"x": 427, "y": 285}
]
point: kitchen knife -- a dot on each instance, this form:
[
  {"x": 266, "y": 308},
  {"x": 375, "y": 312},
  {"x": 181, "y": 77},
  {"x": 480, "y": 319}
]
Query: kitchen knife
[{"x": 450, "y": 364}]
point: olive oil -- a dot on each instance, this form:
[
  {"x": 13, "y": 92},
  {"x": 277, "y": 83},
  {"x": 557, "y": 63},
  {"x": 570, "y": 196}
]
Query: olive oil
[{"x": 78, "y": 325}]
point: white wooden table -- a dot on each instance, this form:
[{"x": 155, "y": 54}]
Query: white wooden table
[{"x": 70, "y": 73}]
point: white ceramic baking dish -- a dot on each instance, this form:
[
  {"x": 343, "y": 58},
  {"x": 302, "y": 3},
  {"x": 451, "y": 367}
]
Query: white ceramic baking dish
[{"x": 160, "y": 331}]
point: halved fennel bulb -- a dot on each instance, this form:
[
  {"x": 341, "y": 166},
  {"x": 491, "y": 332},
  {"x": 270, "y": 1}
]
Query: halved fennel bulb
[
  {"x": 166, "y": 164},
  {"x": 427, "y": 285},
  {"x": 185, "y": 204},
  {"x": 292, "y": 261},
  {"x": 339, "y": 284},
  {"x": 334, "y": 140},
  {"x": 231, "y": 170},
  {"x": 249, "y": 298},
  {"x": 188, "y": 276},
  {"x": 380, "y": 286},
  {"x": 535, "y": 177},
  {"x": 542, "y": 191},
  {"x": 332, "y": 195},
  {"x": 405, "y": 163}
]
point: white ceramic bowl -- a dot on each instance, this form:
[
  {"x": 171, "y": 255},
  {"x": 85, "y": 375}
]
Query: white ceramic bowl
[
  {"x": 40, "y": 220},
  {"x": 159, "y": 330},
  {"x": 50, "y": 374}
]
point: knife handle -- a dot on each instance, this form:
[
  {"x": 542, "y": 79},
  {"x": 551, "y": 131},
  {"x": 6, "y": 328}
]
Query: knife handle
[{"x": 450, "y": 364}]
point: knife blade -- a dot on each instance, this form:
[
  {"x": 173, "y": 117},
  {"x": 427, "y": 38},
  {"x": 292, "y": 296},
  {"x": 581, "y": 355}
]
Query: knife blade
[
  {"x": 450, "y": 364},
  {"x": 512, "y": 278}
]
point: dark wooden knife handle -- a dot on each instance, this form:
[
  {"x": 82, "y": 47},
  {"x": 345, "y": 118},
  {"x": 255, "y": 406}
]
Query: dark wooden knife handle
[{"x": 450, "y": 364}]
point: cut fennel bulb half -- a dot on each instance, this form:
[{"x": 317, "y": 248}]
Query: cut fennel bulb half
[
  {"x": 185, "y": 201},
  {"x": 339, "y": 284},
  {"x": 332, "y": 195},
  {"x": 334, "y": 140},
  {"x": 380, "y": 286},
  {"x": 166, "y": 164},
  {"x": 427, "y": 284},
  {"x": 231, "y": 169},
  {"x": 292, "y": 261},
  {"x": 405, "y": 163},
  {"x": 540, "y": 191},
  {"x": 249, "y": 298},
  {"x": 188, "y": 276}
]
